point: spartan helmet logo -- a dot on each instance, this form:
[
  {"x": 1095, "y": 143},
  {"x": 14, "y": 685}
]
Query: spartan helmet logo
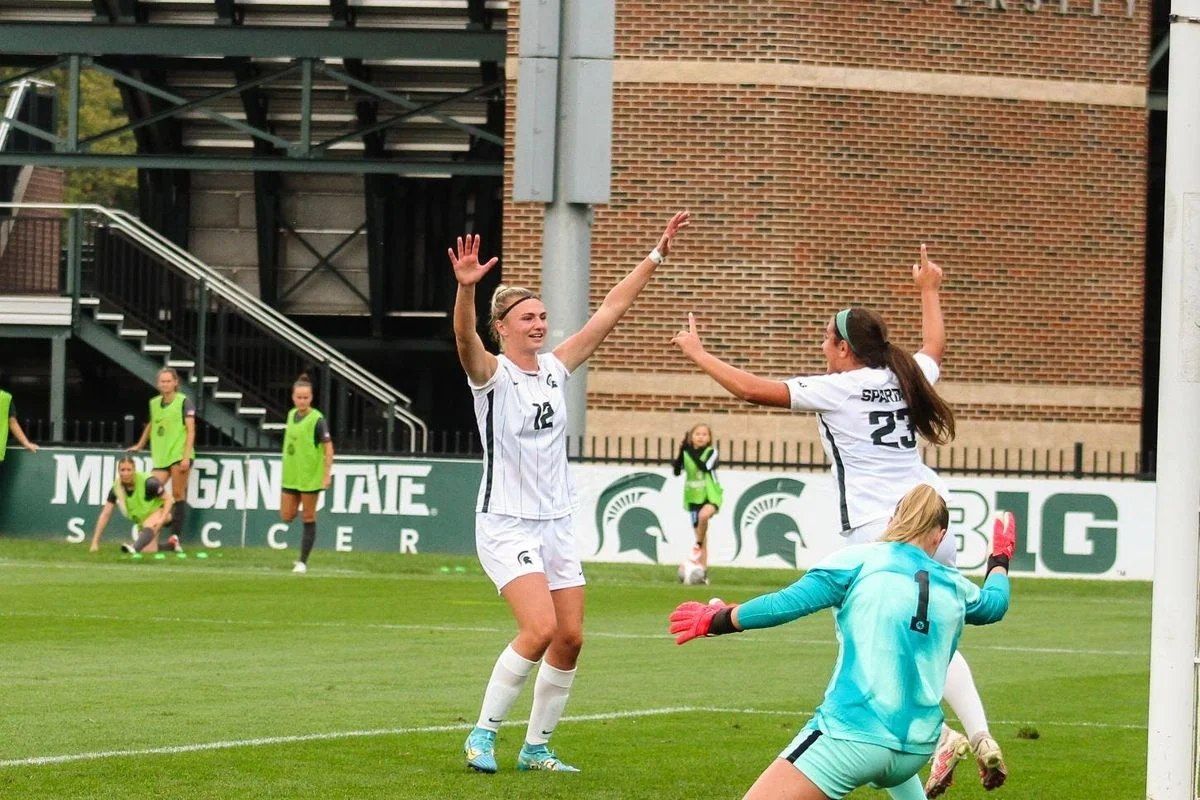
[
  {"x": 769, "y": 511},
  {"x": 553, "y": 384},
  {"x": 523, "y": 557},
  {"x": 621, "y": 512}
]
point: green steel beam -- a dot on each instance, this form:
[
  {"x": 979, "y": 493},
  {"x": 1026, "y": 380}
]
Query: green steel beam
[
  {"x": 325, "y": 261},
  {"x": 180, "y": 109},
  {"x": 163, "y": 94},
  {"x": 32, "y": 331},
  {"x": 411, "y": 169},
  {"x": 407, "y": 103},
  {"x": 72, "y": 143},
  {"x": 58, "y": 385},
  {"x": 415, "y": 112},
  {"x": 31, "y": 73},
  {"x": 32, "y": 130},
  {"x": 256, "y": 41}
]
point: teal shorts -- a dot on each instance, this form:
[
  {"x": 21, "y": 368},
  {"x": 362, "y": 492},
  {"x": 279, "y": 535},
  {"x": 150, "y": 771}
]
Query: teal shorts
[{"x": 839, "y": 766}]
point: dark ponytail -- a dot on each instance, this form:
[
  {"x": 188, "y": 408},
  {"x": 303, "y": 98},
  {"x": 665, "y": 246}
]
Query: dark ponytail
[{"x": 868, "y": 340}]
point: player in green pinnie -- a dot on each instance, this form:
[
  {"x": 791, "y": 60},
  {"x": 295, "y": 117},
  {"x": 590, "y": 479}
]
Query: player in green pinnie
[
  {"x": 702, "y": 493},
  {"x": 307, "y": 465},
  {"x": 171, "y": 432},
  {"x": 145, "y": 502}
]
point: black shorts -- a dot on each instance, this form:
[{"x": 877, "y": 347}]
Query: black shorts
[
  {"x": 694, "y": 510},
  {"x": 167, "y": 468},
  {"x": 298, "y": 492}
]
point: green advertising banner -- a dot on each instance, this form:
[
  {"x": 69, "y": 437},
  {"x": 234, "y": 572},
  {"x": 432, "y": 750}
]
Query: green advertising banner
[
  {"x": 381, "y": 504},
  {"x": 1088, "y": 529}
]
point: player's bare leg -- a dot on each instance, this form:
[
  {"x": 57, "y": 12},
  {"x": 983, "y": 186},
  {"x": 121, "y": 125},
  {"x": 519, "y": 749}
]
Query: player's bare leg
[{"x": 782, "y": 781}]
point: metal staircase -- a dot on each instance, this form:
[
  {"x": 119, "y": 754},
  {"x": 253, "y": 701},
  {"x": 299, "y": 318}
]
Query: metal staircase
[{"x": 146, "y": 303}]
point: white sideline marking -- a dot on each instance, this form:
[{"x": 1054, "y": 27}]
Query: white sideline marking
[
  {"x": 38, "y": 761},
  {"x": 285, "y": 573},
  {"x": 398, "y": 626},
  {"x": 264, "y": 741}
]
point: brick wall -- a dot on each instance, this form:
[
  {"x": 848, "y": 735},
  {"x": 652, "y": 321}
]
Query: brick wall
[
  {"x": 31, "y": 244},
  {"x": 1028, "y": 185}
]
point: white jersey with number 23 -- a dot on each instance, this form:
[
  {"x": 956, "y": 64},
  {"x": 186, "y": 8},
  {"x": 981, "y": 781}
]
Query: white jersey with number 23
[{"x": 868, "y": 436}]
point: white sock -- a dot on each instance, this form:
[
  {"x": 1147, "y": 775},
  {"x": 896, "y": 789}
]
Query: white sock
[
  {"x": 550, "y": 692},
  {"x": 508, "y": 677},
  {"x": 963, "y": 697}
]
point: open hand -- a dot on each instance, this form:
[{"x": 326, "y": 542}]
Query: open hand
[
  {"x": 926, "y": 274},
  {"x": 689, "y": 341},
  {"x": 691, "y": 620},
  {"x": 467, "y": 269},
  {"x": 678, "y": 222}
]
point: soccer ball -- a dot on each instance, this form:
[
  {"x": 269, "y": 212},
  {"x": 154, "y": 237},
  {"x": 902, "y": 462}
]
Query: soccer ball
[{"x": 692, "y": 574}]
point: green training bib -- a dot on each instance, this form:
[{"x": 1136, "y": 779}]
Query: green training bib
[
  {"x": 168, "y": 433},
  {"x": 700, "y": 487},
  {"x": 303, "y": 458},
  {"x": 5, "y": 403},
  {"x": 137, "y": 507}
]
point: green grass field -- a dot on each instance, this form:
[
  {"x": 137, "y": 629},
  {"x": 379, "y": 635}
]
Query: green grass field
[{"x": 233, "y": 678}]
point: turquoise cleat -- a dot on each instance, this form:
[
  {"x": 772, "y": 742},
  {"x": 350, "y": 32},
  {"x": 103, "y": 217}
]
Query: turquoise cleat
[
  {"x": 538, "y": 756},
  {"x": 480, "y": 748}
]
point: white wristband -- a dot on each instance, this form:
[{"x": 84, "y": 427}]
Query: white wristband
[{"x": 656, "y": 256}]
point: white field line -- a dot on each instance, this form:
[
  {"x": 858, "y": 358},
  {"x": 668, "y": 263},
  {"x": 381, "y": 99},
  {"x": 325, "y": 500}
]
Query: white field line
[
  {"x": 266, "y": 741},
  {"x": 392, "y": 626},
  {"x": 284, "y": 572}
]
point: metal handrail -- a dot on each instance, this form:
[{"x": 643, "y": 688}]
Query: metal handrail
[
  {"x": 13, "y": 106},
  {"x": 253, "y": 308}
]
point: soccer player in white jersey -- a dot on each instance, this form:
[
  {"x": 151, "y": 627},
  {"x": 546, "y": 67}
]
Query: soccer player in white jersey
[
  {"x": 899, "y": 614},
  {"x": 523, "y": 531},
  {"x": 871, "y": 405}
]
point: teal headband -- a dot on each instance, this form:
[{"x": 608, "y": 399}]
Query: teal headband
[{"x": 840, "y": 320}]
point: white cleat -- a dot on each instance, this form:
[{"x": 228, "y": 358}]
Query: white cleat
[
  {"x": 300, "y": 568},
  {"x": 952, "y": 747}
]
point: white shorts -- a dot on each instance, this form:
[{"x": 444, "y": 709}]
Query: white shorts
[
  {"x": 947, "y": 552},
  {"x": 509, "y": 547}
]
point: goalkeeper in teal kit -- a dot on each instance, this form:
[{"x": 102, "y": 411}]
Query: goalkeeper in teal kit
[{"x": 899, "y": 615}]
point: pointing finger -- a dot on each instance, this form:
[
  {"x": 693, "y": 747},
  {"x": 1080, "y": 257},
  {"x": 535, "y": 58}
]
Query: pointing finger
[
  {"x": 691, "y": 322},
  {"x": 924, "y": 256}
]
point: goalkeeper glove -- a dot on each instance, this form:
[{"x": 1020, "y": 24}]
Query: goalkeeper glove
[
  {"x": 691, "y": 619},
  {"x": 1004, "y": 540}
]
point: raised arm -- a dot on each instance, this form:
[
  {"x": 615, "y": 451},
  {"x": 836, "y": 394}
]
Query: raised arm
[
  {"x": 739, "y": 383},
  {"x": 578, "y": 347},
  {"x": 928, "y": 278},
  {"x": 476, "y": 361}
]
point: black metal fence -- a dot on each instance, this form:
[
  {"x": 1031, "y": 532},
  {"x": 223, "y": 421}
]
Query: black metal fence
[
  {"x": 248, "y": 356},
  {"x": 1078, "y": 462}
]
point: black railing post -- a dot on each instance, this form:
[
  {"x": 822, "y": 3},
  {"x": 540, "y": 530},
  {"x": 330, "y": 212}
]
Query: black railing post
[
  {"x": 389, "y": 424},
  {"x": 129, "y": 440},
  {"x": 75, "y": 263},
  {"x": 201, "y": 345},
  {"x": 1078, "y": 460}
]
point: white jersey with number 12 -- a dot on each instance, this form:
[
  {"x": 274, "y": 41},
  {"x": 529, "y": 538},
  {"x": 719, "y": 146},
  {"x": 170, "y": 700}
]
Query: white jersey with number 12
[{"x": 522, "y": 418}]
